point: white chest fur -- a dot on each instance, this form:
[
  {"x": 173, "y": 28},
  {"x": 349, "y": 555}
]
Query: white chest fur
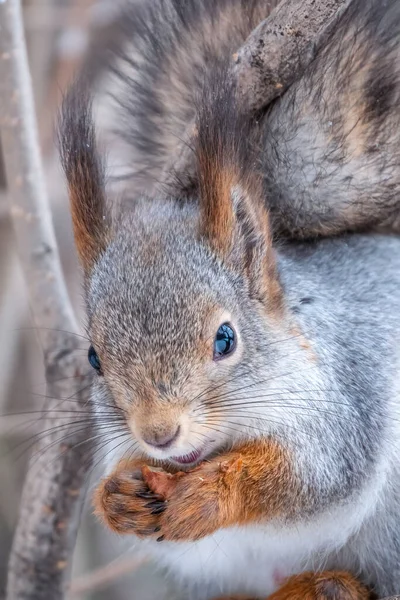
[{"x": 256, "y": 559}]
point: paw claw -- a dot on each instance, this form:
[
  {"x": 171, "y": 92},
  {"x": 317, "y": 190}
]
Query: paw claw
[
  {"x": 146, "y": 495},
  {"x": 127, "y": 505},
  {"x": 158, "y": 510}
]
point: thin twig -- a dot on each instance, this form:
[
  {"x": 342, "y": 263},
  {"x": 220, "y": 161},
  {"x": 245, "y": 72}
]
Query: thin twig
[
  {"x": 46, "y": 531},
  {"x": 13, "y": 310},
  {"x": 103, "y": 576}
]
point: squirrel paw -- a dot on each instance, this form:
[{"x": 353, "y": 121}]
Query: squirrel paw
[
  {"x": 197, "y": 501},
  {"x": 126, "y": 504},
  {"x": 137, "y": 499},
  {"x": 328, "y": 585}
]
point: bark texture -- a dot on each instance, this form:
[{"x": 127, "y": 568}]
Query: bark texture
[{"x": 281, "y": 47}]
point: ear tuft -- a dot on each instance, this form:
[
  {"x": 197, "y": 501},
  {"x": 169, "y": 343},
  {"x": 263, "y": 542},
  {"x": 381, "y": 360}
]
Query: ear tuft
[
  {"x": 221, "y": 146},
  {"x": 84, "y": 171},
  {"x": 233, "y": 216}
]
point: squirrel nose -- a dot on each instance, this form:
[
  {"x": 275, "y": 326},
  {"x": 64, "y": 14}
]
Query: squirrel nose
[{"x": 162, "y": 440}]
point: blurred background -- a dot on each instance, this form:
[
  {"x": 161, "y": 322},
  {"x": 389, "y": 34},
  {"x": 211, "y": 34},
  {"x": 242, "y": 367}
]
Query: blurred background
[{"x": 60, "y": 35}]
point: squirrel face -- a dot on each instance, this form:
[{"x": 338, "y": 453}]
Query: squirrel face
[
  {"x": 174, "y": 332},
  {"x": 183, "y": 296}
]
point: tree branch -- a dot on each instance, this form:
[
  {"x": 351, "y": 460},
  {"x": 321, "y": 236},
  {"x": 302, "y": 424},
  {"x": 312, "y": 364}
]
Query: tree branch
[
  {"x": 279, "y": 50},
  {"x": 46, "y": 530}
]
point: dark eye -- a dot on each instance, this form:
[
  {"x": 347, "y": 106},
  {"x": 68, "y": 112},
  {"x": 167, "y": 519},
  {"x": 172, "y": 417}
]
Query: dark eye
[
  {"x": 94, "y": 359},
  {"x": 225, "y": 341}
]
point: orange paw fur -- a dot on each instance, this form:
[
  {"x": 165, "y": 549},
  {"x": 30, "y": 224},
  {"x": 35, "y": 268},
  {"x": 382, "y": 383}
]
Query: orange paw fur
[
  {"x": 329, "y": 585},
  {"x": 136, "y": 499},
  {"x": 193, "y": 509},
  {"x": 125, "y": 503},
  {"x": 241, "y": 486}
]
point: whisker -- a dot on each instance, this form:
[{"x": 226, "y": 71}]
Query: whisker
[
  {"x": 61, "y": 440},
  {"x": 19, "y": 428},
  {"x": 277, "y": 403},
  {"x": 62, "y": 399},
  {"x": 281, "y": 403},
  {"x": 95, "y": 465},
  {"x": 90, "y": 401},
  {"x": 271, "y": 421},
  {"x": 254, "y": 383},
  {"x": 51, "y": 329},
  {"x": 210, "y": 388},
  {"x": 32, "y": 440},
  {"x": 85, "y": 441},
  {"x": 48, "y": 412}
]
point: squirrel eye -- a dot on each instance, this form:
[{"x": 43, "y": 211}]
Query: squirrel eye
[
  {"x": 94, "y": 359},
  {"x": 225, "y": 341}
]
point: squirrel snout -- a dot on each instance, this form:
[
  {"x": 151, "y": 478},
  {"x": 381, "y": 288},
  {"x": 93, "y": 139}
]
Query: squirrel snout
[{"x": 161, "y": 439}]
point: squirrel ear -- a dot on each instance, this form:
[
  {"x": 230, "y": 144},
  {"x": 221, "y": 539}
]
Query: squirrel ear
[
  {"x": 235, "y": 223},
  {"x": 85, "y": 177},
  {"x": 233, "y": 218},
  {"x": 254, "y": 246}
]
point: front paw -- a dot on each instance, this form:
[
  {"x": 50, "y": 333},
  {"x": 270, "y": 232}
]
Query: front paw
[
  {"x": 180, "y": 507},
  {"x": 126, "y": 504},
  {"x": 200, "y": 501}
]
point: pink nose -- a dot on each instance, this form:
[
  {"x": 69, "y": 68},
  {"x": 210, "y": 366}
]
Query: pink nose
[{"x": 161, "y": 440}]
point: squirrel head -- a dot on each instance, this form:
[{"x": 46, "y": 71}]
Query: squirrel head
[{"x": 183, "y": 297}]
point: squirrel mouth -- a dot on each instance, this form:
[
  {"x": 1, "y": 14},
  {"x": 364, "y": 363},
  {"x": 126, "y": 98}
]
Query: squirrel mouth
[{"x": 187, "y": 459}]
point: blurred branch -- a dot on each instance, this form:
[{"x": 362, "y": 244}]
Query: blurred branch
[
  {"x": 13, "y": 308},
  {"x": 48, "y": 521},
  {"x": 68, "y": 49},
  {"x": 103, "y": 576}
]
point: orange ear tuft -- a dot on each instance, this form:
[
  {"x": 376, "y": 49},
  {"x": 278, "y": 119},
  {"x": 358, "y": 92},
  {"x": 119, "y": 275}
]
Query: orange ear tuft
[
  {"x": 233, "y": 217},
  {"x": 219, "y": 132},
  {"x": 85, "y": 177},
  {"x": 217, "y": 222}
]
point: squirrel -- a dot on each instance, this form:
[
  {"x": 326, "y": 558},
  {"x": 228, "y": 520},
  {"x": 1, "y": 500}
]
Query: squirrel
[{"x": 252, "y": 371}]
